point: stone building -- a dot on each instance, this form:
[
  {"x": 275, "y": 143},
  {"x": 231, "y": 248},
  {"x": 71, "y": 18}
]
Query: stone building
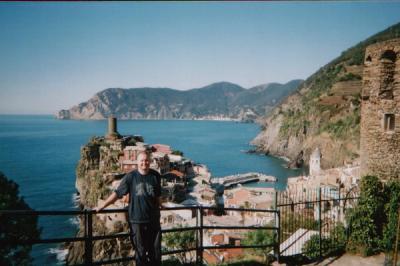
[{"x": 380, "y": 111}]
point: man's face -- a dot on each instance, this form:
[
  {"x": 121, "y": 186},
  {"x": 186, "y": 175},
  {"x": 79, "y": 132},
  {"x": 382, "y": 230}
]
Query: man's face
[{"x": 143, "y": 163}]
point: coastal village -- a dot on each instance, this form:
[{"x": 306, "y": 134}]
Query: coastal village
[{"x": 186, "y": 184}]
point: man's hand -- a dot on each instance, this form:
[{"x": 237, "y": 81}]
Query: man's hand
[
  {"x": 97, "y": 209},
  {"x": 110, "y": 200}
]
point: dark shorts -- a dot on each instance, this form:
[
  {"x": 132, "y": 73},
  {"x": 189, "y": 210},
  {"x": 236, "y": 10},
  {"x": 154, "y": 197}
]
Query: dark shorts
[{"x": 146, "y": 240}]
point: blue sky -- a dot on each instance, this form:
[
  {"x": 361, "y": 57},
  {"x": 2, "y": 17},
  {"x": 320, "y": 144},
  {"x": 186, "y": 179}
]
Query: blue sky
[{"x": 56, "y": 55}]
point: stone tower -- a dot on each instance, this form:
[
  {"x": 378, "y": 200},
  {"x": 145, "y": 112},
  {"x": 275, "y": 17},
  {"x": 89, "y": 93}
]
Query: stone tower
[
  {"x": 380, "y": 111},
  {"x": 112, "y": 128},
  {"x": 315, "y": 162}
]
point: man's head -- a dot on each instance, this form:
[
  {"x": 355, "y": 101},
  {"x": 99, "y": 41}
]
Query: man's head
[{"x": 143, "y": 161}]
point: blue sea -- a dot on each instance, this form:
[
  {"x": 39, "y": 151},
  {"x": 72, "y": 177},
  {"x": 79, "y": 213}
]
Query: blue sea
[{"x": 40, "y": 153}]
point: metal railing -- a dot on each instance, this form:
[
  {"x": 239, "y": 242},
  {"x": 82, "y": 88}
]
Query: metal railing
[
  {"x": 311, "y": 212},
  {"x": 89, "y": 237}
]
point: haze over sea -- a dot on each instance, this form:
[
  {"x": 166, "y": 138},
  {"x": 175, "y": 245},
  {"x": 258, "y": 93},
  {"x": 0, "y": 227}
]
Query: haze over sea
[{"x": 40, "y": 153}]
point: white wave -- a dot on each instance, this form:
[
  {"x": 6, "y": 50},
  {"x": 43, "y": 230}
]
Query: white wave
[
  {"x": 76, "y": 199},
  {"x": 60, "y": 253},
  {"x": 74, "y": 221}
]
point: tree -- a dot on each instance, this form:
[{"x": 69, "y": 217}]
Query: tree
[
  {"x": 260, "y": 237},
  {"x": 15, "y": 228},
  {"x": 181, "y": 240}
]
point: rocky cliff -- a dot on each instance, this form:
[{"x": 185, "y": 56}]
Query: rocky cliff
[
  {"x": 96, "y": 171},
  {"x": 221, "y": 100},
  {"x": 323, "y": 112}
]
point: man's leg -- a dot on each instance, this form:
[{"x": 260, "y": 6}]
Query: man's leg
[
  {"x": 137, "y": 236},
  {"x": 155, "y": 244}
]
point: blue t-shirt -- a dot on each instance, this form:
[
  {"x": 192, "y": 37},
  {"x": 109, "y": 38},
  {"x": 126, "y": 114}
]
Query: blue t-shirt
[{"x": 144, "y": 192}]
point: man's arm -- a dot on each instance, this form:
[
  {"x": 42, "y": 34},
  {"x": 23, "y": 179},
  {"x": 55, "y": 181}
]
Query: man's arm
[{"x": 110, "y": 200}]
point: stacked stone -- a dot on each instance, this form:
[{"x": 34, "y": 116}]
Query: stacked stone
[{"x": 380, "y": 111}]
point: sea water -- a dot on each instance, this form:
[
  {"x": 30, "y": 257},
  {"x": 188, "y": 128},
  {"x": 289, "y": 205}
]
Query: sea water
[{"x": 40, "y": 153}]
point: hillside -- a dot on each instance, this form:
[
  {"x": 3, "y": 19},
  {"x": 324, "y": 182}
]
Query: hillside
[
  {"x": 221, "y": 100},
  {"x": 323, "y": 112}
]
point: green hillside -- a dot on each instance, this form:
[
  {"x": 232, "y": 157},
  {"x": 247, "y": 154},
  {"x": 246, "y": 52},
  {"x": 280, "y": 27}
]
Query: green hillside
[{"x": 325, "y": 110}]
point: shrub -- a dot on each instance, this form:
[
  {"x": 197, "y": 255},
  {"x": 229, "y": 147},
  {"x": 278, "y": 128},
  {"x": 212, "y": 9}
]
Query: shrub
[
  {"x": 367, "y": 219},
  {"x": 349, "y": 76},
  {"x": 392, "y": 192},
  {"x": 311, "y": 247},
  {"x": 260, "y": 237},
  {"x": 177, "y": 152}
]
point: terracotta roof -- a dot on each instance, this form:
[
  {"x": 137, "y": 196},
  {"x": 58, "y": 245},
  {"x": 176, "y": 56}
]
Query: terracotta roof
[{"x": 177, "y": 173}]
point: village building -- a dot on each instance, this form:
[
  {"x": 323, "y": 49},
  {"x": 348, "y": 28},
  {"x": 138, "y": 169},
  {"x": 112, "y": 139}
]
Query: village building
[
  {"x": 171, "y": 218},
  {"x": 161, "y": 148},
  {"x": 160, "y": 162},
  {"x": 248, "y": 198}
]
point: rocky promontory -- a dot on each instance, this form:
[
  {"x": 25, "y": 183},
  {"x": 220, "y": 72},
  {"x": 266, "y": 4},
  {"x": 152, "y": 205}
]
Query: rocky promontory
[{"x": 103, "y": 163}]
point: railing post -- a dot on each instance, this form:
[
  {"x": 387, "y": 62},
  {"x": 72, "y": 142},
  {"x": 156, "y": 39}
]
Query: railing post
[
  {"x": 201, "y": 236},
  {"x": 277, "y": 225},
  {"x": 340, "y": 207},
  {"x": 279, "y": 236},
  {"x": 197, "y": 237},
  {"x": 88, "y": 238},
  {"x": 320, "y": 221}
]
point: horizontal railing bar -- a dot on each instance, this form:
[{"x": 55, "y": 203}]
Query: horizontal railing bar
[
  {"x": 239, "y": 209},
  {"x": 177, "y": 229},
  {"x": 34, "y": 212},
  {"x": 43, "y": 241},
  {"x": 241, "y": 227},
  {"x": 180, "y": 208},
  {"x": 169, "y": 252},
  {"x": 246, "y": 246},
  {"x": 81, "y": 212}
]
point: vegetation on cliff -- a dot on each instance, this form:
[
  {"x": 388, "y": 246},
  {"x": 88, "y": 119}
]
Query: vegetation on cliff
[
  {"x": 94, "y": 175},
  {"x": 324, "y": 111},
  {"x": 12, "y": 226}
]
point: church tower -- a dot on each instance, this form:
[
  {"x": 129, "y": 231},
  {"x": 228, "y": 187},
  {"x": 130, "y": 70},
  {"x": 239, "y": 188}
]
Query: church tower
[{"x": 315, "y": 162}]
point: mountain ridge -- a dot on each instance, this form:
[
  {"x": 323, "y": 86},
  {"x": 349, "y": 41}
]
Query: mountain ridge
[{"x": 219, "y": 100}]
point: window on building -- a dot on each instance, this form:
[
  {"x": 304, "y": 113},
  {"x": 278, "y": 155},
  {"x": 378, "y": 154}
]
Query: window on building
[
  {"x": 388, "y": 123},
  {"x": 388, "y": 64}
]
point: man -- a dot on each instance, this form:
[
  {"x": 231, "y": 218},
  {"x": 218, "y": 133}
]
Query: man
[{"x": 144, "y": 188}]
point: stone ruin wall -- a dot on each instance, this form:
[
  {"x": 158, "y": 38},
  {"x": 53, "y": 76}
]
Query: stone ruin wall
[{"x": 380, "y": 111}]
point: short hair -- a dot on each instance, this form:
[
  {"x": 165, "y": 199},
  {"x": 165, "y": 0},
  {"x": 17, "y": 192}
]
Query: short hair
[{"x": 148, "y": 154}]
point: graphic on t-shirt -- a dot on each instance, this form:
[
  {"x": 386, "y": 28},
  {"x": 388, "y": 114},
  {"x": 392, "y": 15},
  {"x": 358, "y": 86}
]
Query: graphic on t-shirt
[
  {"x": 144, "y": 189},
  {"x": 150, "y": 189}
]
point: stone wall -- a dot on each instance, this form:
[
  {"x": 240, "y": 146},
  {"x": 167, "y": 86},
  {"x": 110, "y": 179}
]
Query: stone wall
[{"x": 380, "y": 111}]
